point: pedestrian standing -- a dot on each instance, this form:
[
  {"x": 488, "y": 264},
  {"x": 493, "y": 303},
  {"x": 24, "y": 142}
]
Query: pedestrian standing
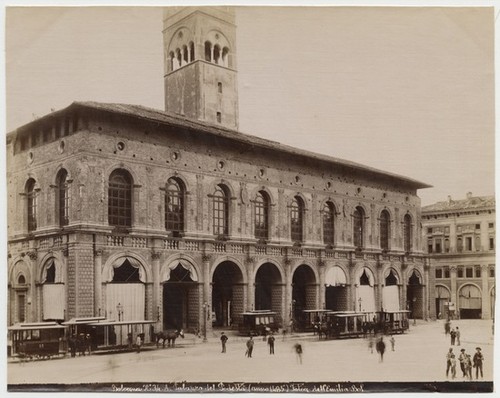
[
  {"x": 478, "y": 362},
  {"x": 468, "y": 367},
  {"x": 138, "y": 343},
  {"x": 250, "y": 343},
  {"x": 393, "y": 341},
  {"x": 270, "y": 342},
  {"x": 462, "y": 358},
  {"x": 381, "y": 348},
  {"x": 298, "y": 351},
  {"x": 447, "y": 326},
  {"x": 453, "y": 334},
  {"x": 453, "y": 367},
  {"x": 223, "y": 339},
  {"x": 72, "y": 345},
  {"x": 457, "y": 335},
  {"x": 129, "y": 340},
  {"x": 448, "y": 361}
]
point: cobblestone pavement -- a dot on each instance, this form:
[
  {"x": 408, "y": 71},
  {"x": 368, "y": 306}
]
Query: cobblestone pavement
[{"x": 420, "y": 355}]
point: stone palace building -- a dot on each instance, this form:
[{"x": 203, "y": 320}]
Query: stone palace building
[
  {"x": 460, "y": 237},
  {"x": 177, "y": 217}
]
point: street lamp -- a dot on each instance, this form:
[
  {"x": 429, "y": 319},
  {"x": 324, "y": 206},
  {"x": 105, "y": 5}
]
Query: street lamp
[
  {"x": 119, "y": 309},
  {"x": 205, "y": 305}
]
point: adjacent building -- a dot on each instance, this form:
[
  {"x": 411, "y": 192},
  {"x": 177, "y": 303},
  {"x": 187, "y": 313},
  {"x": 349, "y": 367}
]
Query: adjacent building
[
  {"x": 177, "y": 217},
  {"x": 460, "y": 239}
]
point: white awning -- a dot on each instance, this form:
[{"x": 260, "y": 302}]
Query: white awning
[
  {"x": 165, "y": 276},
  {"x": 335, "y": 276},
  {"x": 118, "y": 263}
]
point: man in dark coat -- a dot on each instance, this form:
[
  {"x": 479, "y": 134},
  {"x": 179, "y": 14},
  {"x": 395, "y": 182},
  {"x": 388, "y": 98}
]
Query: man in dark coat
[
  {"x": 270, "y": 342},
  {"x": 478, "y": 362},
  {"x": 381, "y": 348},
  {"x": 250, "y": 343}
]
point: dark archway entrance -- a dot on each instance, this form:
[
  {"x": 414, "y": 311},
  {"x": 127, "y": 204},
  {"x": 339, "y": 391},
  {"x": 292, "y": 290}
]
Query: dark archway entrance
[
  {"x": 414, "y": 296},
  {"x": 335, "y": 289},
  {"x": 470, "y": 302},
  {"x": 180, "y": 300},
  {"x": 303, "y": 290},
  {"x": 227, "y": 294},
  {"x": 269, "y": 289}
]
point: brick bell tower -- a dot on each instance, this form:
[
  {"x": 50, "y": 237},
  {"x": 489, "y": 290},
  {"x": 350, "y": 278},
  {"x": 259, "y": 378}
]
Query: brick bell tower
[{"x": 200, "y": 64}]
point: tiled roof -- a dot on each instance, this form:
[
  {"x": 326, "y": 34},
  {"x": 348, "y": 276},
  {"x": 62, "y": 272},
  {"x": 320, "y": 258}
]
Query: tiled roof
[
  {"x": 167, "y": 118},
  {"x": 472, "y": 203}
]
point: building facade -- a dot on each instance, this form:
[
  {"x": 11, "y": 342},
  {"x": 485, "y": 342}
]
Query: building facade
[
  {"x": 137, "y": 214},
  {"x": 460, "y": 238}
]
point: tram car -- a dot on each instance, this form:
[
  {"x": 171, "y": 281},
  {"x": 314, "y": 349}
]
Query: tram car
[
  {"x": 38, "y": 340},
  {"x": 258, "y": 323},
  {"x": 349, "y": 324},
  {"x": 309, "y": 320},
  {"x": 394, "y": 321}
]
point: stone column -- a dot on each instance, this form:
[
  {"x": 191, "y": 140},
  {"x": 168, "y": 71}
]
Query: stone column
[
  {"x": 321, "y": 295},
  {"x": 453, "y": 287},
  {"x": 288, "y": 294},
  {"x": 425, "y": 294},
  {"x": 485, "y": 299},
  {"x": 207, "y": 293},
  {"x": 98, "y": 283},
  {"x": 251, "y": 286},
  {"x": 157, "y": 308}
]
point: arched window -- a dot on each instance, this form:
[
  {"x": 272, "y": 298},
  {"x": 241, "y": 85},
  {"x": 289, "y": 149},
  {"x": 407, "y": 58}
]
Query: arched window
[
  {"x": 191, "y": 48},
  {"x": 217, "y": 54},
  {"x": 262, "y": 215},
  {"x": 297, "y": 219},
  {"x": 407, "y": 233},
  {"x": 185, "y": 55},
  {"x": 31, "y": 201},
  {"x": 120, "y": 199},
  {"x": 221, "y": 211},
  {"x": 21, "y": 280},
  {"x": 63, "y": 197},
  {"x": 208, "y": 51},
  {"x": 174, "y": 206},
  {"x": 384, "y": 230},
  {"x": 328, "y": 223},
  {"x": 359, "y": 226},
  {"x": 225, "y": 57}
]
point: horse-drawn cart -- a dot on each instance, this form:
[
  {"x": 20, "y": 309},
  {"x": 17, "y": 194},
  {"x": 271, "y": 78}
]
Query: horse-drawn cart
[{"x": 38, "y": 340}]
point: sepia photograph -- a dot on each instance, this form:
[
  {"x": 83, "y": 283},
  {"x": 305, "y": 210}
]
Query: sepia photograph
[{"x": 250, "y": 199}]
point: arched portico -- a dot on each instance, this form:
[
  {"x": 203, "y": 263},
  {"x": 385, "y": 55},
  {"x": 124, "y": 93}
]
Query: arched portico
[
  {"x": 336, "y": 291},
  {"x": 304, "y": 290},
  {"x": 415, "y": 294},
  {"x": 180, "y": 295},
  {"x": 227, "y": 294},
  {"x": 470, "y": 301},
  {"x": 269, "y": 289}
]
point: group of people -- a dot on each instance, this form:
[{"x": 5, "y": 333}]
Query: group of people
[
  {"x": 81, "y": 343},
  {"x": 270, "y": 342},
  {"x": 138, "y": 341},
  {"x": 466, "y": 363},
  {"x": 454, "y": 333}
]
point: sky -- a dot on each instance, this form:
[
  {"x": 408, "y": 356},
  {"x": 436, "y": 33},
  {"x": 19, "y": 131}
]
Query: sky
[{"x": 405, "y": 90}]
